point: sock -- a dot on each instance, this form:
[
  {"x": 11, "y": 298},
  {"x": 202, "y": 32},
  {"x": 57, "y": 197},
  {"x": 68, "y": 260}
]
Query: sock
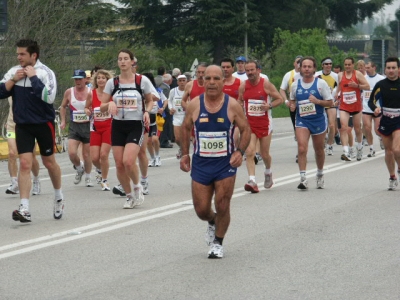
[
  {"x": 267, "y": 171},
  {"x": 302, "y": 174},
  {"x": 359, "y": 146},
  {"x": 87, "y": 175},
  {"x": 157, "y": 154},
  {"x": 253, "y": 178},
  {"x": 144, "y": 179},
  {"x": 58, "y": 194},
  {"x": 136, "y": 185},
  {"x": 14, "y": 180},
  {"x": 218, "y": 240},
  {"x": 346, "y": 149},
  {"x": 35, "y": 178},
  {"x": 320, "y": 172},
  {"x": 25, "y": 203}
]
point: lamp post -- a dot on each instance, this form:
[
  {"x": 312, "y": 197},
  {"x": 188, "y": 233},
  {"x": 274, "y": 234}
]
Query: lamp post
[{"x": 245, "y": 28}]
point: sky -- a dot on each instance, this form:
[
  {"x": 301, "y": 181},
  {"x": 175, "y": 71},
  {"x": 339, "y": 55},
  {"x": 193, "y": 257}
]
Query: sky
[{"x": 390, "y": 9}]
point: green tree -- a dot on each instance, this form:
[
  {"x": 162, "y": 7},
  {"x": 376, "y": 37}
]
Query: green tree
[{"x": 381, "y": 32}]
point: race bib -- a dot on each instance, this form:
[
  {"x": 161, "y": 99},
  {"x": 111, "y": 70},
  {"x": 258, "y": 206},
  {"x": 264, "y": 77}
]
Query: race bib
[
  {"x": 78, "y": 116},
  {"x": 127, "y": 103},
  {"x": 349, "y": 97},
  {"x": 254, "y": 108},
  {"x": 391, "y": 112},
  {"x": 307, "y": 109},
  {"x": 101, "y": 116},
  {"x": 366, "y": 95},
  {"x": 213, "y": 144}
]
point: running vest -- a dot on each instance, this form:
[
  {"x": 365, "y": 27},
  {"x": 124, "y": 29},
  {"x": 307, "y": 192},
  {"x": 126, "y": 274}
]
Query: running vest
[
  {"x": 99, "y": 118},
  {"x": 233, "y": 89},
  {"x": 254, "y": 96},
  {"x": 177, "y": 101},
  {"x": 213, "y": 132},
  {"x": 77, "y": 109},
  {"x": 305, "y": 108},
  {"x": 196, "y": 90},
  {"x": 350, "y": 99}
]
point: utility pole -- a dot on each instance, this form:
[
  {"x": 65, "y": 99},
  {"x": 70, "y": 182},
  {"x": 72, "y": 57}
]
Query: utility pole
[
  {"x": 245, "y": 33},
  {"x": 3, "y": 16}
]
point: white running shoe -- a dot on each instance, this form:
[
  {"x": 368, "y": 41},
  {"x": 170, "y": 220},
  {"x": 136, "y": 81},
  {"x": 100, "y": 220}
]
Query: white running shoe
[
  {"x": 152, "y": 162},
  {"x": 359, "y": 154},
  {"x": 158, "y": 161},
  {"x": 393, "y": 183},
  {"x": 88, "y": 182},
  {"x": 216, "y": 251},
  {"x": 138, "y": 195},
  {"x": 105, "y": 186},
  {"x": 21, "y": 214},
  {"x": 210, "y": 234},
  {"x": 268, "y": 182},
  {"x": 346, "y": 156},
  {"x": 13, "y": 189},
  {"x": 78, "y": 177},
  {"x": 58, "y": 208},
  {"x": 371, "y": 153},
  {"x": 320, "y": 181},
  {"x": 37, "y": 188},
  {"x": 329, "y": 150},
  {"x": 145, "y": 185},
  {"x": 119, "y": 190},
  {"x": 99, "y": 179},
  {"x": 303, "y": 185},
  {"x": 129, "y": 203},
  {"x": 352, "y": 153}
]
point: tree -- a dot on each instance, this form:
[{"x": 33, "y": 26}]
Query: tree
[{"x": 381, "y": 32}]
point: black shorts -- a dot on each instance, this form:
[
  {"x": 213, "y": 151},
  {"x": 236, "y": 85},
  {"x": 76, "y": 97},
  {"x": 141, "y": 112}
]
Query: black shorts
[
  {"x": 44, "y": 134},
  {"x": 351, "y": 113},
  {"x": 388, "y": 125},
  {"x": 153, "y": 130},
  {"x": 124, "y": 132},
  {"x": 79, "y": 132},
  {"x": 372, "y": 114}
]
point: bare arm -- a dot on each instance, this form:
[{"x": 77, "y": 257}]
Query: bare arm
[
  {"x": 186, "y": 93},
  {"x": 88, "y": 104},
  {"x": 271, "y": 90},
  {"x": 63, "y": 107},
  {"x": 241, "y": 92},
  {"x": 363, "y": 83}
]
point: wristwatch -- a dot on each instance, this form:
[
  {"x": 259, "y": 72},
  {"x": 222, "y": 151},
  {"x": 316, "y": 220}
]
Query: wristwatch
[{"x": 240, "y": 150}]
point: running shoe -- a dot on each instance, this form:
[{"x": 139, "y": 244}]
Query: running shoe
[
  {"x": 13, "y": 189},
  {"x": 359, "y": 154},
  {"x": 346, "y": 156},
  {"x": 258, "y": 156},
  {"x": 393, "y": 183},
  {"x": 21, "y": 214},
  {"x": 255, "y": 159},
  {"x": 320, "y": 181},
  {"x": 365, "y": 142},
  {"x": 138, "y": 195},
  {"x": 371, "y": 153},
  {"x": 352, "y": 153},
  {"x": 145, "y": 185},
  {"x": 210, "y": 234},
  {"x": 303, "y": 185},
  {"x": 119, "y": 190},
  {"x": 158, "y": 161},
  {"x": 37, "y": 188},
  {"x": 58, "y": 209},
  {"x": 381, "y": 144},
  {"x": 251, "y": 186},
  {"x": 337, "y": 139},
  {"x": 297, "y": 158},
  {"x": 268, "y": 182},
  {"x": 78, "y": 176},
  {"x": 99, "y": 179},
  {"x": 329, "y": 150},
  {"x": 129, "y": 203},
  {"x": 216, "y": 251},
  {"x": 105, "y": 186},
  {"x": 152, "y": 162},
  {"x": 88, "y": 182}
]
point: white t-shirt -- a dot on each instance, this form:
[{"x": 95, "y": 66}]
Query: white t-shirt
[
  {"x": 366, "y": 93},
  {"x": 243, "y": 76}
]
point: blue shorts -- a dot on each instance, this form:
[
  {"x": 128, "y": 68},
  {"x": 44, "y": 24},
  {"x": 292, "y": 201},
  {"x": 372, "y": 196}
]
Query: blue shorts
[
  {"x": 316, "y": 124},
  {"x": 388, "y": 125},
  {"x": 206, "y": 170}
]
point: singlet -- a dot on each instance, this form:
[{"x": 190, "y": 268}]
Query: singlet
[
  {"x": 350, "y": 99},
  {"x": 196, "y": 90},
  {"x": 233, "y": 89},
  {"x": 305, "y": 108},
  {"x": 175, "y": 101},
  {"x": 77, "y": 109},
  {"x": 254, "y": 96},
  {"x": 100, "y": 119},
  {"x": 213, "y": 132}
]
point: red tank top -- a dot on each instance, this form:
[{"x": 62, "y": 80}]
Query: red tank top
[
  {"x": 350, "y": 99},
  {"x": 99, "y": 119},
  {"x": 254, "y": 96},
  {"x": 196, "y": 90},
  {"x": 233, "y": 89}
]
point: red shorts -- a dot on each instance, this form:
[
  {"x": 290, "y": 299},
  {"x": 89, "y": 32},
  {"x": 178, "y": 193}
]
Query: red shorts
[
  {"x": 100, "y": 136},
  {"x": 260, "y": 128}
]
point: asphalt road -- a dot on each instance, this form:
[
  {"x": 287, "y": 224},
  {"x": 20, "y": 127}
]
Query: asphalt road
[{"x": 341, "y": 242}]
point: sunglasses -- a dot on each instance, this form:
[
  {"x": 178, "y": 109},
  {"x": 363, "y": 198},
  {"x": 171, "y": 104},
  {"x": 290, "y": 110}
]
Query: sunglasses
[{"x": 328, "y": 64}]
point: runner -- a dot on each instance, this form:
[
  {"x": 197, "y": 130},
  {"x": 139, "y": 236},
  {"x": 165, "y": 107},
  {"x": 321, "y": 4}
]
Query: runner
[
  {"x": 309, "y": 96},
  {"x": 215, "y": 161},
  {"x": 255, "y": 94}
]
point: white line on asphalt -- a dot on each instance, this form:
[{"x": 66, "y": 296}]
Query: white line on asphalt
[{"x": 83, "y": 232}]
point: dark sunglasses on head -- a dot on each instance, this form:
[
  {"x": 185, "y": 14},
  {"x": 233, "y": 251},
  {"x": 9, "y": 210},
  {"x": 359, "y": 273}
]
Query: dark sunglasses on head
[{"x": 328, "y": 64}]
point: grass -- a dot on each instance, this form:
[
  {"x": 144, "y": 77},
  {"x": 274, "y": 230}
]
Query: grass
[{"x": 282, "y": 111}]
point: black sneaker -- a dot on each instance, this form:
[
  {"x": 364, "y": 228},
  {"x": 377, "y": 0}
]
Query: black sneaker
[
  {"x": 337, "y": 139},
  {"x": 119, "y": 190},
  {"x": 21, "y": 214}
]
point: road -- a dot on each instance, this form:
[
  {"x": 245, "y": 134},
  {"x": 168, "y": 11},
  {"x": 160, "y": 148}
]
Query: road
[{"x": 341, "y": 242}]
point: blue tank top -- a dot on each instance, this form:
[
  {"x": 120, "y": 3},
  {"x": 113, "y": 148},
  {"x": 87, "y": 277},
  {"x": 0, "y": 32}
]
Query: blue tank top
[
  {"x": 213, "y": 132},
  {"x": 304, "y": 108}
]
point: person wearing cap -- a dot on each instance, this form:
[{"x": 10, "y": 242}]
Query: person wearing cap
[
  {"x": 309, "y": 96},
  {"x": 79, "y": 126},
  {"x": 176, "y": 110},
  {"x": 331, "y": 79},
  {"x": 33, "y": 86},
  {"x": 258, "y": 96},
  {"x": 240, "y": 73},
  {"x": 351, "y": 83}
]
